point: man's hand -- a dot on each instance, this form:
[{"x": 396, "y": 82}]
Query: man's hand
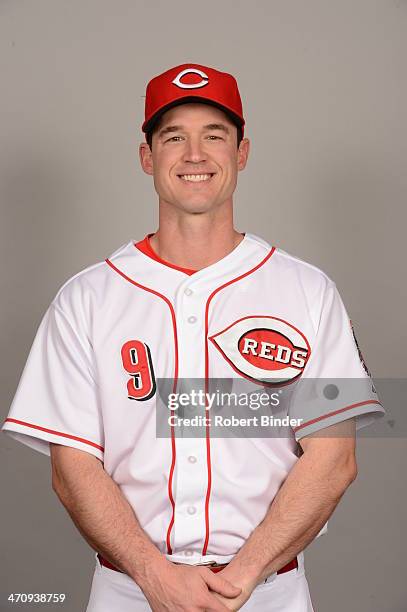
[
  {"x": 183, "y": 588},
  {"x": 247, "y": 587}
]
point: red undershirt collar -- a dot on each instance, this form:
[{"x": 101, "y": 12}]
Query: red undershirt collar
[{"x": 145, "y": 247}]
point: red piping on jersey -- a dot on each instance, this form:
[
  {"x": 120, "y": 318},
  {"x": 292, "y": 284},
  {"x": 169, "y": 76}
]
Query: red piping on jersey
[
  {"x": 173, "y": 449},
  {"x": 57, "y": 433},
  {"x": 145, "y": 247},
  {"x": 325, "y": 416},
  {"x": 208, "y": 445}
]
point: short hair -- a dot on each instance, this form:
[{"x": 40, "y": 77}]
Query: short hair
[{"x": 157, "y": 124}]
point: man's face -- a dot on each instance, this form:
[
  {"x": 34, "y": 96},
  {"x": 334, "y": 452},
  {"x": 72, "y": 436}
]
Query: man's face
[{"x": 194, "y": 158}]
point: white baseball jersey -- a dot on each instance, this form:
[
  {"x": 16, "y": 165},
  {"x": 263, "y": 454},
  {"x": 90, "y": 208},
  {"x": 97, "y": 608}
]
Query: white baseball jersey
[{"x": 118, "y": 327}]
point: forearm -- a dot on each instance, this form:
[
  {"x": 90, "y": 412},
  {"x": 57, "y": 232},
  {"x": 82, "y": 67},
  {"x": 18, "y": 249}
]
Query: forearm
[
  {"x": 304, "y": 503},
  {"x": 104, "y": 517}
]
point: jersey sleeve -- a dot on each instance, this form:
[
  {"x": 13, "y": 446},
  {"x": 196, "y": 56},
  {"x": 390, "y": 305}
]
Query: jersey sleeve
[
  {"x": 57, "y": 396},
  {"x": 336, "y": 384}
]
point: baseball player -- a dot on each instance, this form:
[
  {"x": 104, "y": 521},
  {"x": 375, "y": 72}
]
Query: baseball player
[{"x": 209, "y": 522}]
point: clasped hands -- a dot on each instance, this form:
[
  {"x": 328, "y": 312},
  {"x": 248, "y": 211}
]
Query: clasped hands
[{"x": 185, "y": 588}]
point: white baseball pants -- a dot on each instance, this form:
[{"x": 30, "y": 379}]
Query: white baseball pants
[{"x": 286, "y": 592}]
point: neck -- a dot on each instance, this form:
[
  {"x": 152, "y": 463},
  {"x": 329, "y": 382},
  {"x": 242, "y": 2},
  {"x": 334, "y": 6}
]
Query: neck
[{"x": 195, "y": 241}]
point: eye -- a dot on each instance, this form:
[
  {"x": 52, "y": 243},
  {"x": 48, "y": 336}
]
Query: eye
[
  {"x": 173, "y": 139},
  {"x": 215, "y": 137}
]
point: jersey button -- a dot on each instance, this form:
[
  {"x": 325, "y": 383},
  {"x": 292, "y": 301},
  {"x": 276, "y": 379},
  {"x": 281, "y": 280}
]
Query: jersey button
[
  {"x": 192, "y": 459},
  {"x": 189, "y": 553},
  {"x": 191, "y": 510},
  {"x": 192, "y": 319},
  {"x": 188, "y": 291}
]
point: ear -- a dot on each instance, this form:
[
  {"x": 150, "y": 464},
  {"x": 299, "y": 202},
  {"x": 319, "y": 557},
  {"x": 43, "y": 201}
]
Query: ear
[
  {"x": 243, "y": 153},
  {"x": 146, "y": 158}
]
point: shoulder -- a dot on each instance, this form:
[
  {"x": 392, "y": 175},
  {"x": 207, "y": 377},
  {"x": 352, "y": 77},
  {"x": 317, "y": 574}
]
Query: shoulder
[
  {"x": 298, "y": 283},
  {"x": 304, "y": 268},
  {"x": 87, "y": 287},
  {"x": 293, "y": 268}
]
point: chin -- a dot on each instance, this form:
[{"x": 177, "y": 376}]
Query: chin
[{"x": 196, "y": 207}]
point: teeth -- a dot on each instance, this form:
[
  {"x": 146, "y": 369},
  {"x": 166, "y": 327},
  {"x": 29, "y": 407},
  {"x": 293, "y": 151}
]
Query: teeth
[{"x": 195, "y": 177}]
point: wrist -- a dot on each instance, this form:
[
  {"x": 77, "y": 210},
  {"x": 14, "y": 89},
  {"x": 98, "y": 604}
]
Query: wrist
[
  {"x": 242, "y": 575},
  {"x": 149, "y": 568}
]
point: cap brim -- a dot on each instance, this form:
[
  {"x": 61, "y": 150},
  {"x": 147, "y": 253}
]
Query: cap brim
[{"x": 149, "y": 125}]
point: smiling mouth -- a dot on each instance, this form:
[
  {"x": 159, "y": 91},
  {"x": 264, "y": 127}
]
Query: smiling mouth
[{"x": 196, "y": 178}]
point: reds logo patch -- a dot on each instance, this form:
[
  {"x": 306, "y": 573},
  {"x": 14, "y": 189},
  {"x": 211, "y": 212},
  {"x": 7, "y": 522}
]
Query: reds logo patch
[
  {"x": 264, "y": 349},
  {"x": 359, "y": 351}
]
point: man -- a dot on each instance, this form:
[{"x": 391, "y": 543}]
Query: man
[{"x": 193, "y": 523}]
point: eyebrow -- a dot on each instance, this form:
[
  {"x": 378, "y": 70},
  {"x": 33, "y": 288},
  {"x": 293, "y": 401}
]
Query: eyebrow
[{"x": 178, "y": 128}]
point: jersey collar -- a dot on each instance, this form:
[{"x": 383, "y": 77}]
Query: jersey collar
[{"x": 144, "y": 267}]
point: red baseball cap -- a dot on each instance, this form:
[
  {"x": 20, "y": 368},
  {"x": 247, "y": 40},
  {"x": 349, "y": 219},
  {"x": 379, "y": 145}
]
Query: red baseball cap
[{"x": 192, "y": 83}]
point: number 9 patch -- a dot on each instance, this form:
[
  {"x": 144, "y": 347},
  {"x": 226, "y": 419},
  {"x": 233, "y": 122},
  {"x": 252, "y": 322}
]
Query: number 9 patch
[{"x": 137, "y": 362}]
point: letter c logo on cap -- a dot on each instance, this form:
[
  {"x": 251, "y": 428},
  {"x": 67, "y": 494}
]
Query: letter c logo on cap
[{"x": 178, "y": 83}]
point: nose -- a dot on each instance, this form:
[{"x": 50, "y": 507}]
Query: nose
[{"x": 194, "y": 151}]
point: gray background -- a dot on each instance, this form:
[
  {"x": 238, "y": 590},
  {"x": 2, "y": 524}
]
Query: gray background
[{"x": 324, "y": 91}]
